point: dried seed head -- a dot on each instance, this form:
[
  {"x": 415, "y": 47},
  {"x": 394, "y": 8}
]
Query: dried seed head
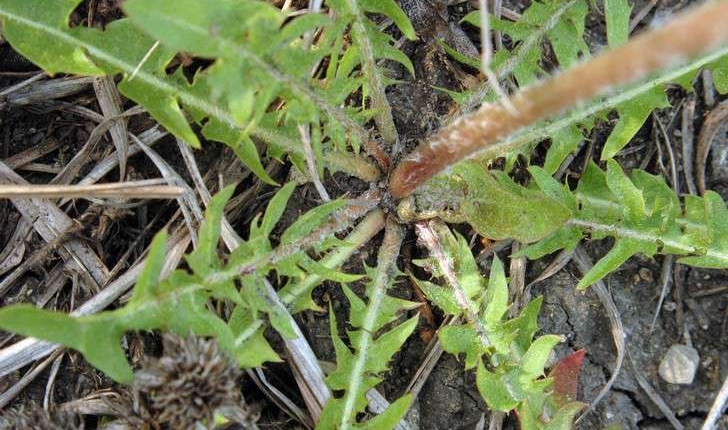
[
  {"x": 132, "y": 411},
  {"x": 37, "y": 418},
  {"x": 189, "y": 382}
]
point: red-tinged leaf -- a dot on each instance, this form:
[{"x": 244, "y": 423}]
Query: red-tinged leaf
[{"x": 566, "y": 377}]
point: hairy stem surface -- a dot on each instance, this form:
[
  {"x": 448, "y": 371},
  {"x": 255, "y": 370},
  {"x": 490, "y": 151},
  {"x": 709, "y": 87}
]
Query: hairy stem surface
[{"x": 699, "y": 31}]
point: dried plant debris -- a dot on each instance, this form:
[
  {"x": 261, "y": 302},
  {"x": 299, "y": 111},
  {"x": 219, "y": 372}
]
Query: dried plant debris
[
  {"x": 37, "y": 418},
  {"x": 190, "y": 383}
]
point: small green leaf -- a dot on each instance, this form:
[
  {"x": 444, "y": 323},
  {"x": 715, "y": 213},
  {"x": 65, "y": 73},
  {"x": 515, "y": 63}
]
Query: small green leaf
[
  {"x": 564, "y": 418},
  {"x": 204, "y": 258},
  {"x": 457, "y": 339},
  {"x": 98, "y": 340},
  {"x": 534, "y": 360},
  {"x": 391, "y": 9},
  {"x": 632, "y": 115},
  {"x": 275, "y": 209},
  {"x": 494, "y": 390},
  {"x": 617, "y": 15},
  {"x": 716, "y": 215},
  {"x": 391, "y": 416},
  {"x": 26, "y": 23},
  {"x": 496, "y": 296},
  {"x": 251, "y": 349},
  {"x": 146, "y": 284}
]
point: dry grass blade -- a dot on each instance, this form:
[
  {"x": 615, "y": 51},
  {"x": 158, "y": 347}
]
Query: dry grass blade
[
  {"x": 280, "y": 399},
  {"x": 717, "y": 409},
  {"x": 655, "y": 397},
  {"x": 665, "y": 277},
  {"x": 110, "y": 103},
  {"x": 187, "y": 202},
  {"x": 702, "y": 30},
  {"x": 306, "y": 369},
  {"x": 583, "y": 261},
  {"x": 40, "y": 92},
  {"x": 714, "y": 122},
  {"x": 229, "y": 235},
  {"x": 558, "y": 263},
  {"x": 641, "y": 14},
  {"x": 51, "y": 222},
  {"x": 22, "y": 158},
  {"x": 103, "y": 167},
  {"x": 688, "y": 115},
  {"x": 9, "y": 395},
  {"x": 82, "y": 156},
  {"x": 313, "y": 172},
  {"x": 13, "y": 88},
  {"x": 28, "y": 350},
  {"x": 517, "y": 285},
  {"x": 147, "y": 189},
  {"x": 12, "y": 254}
]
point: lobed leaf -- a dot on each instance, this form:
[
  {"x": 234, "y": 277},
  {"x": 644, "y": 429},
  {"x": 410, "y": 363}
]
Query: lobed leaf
[
  {"x": 499, "y": 209},
  {"x": 372, "y": 346},
  {"x": 641, "y": 213}
]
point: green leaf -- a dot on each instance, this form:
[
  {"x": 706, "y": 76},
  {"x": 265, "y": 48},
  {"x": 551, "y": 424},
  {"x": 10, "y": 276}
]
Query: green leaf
[
  {"x": 97, "y": 337},
  {"x": 720, "y": 74},
  {"x": 305, "y": 223},
  {"x": 563, "y": 143},
  {"x": 251, "y": 349},
  {"x": 564, "y": 418},
  {"x": 358, "y": 368},
  {"x": 391, "y": 416},
  {"x": 496, "y": 296},
  {"x": 456, "y": 339},
  {"x": 39, "y": 30},
  {"x": 275, "y": 209},
  {"x": 494, "y": 390},
  {"x": 370, "y": 44},
  {"x": 391, "y": 9},
  {"x": 501, "y": 210},
  {"x": 632, "y": 116},
  {"x": 716, "y": 214},
  {"x": 617, "y": 15},
  {"x": 204, "y": 258},
  {"x": 26, "y": 23},
  {"x": 525, "y": 326},
  {"x": 99, "y": 340},
  {"x": 534, "y": 360}
]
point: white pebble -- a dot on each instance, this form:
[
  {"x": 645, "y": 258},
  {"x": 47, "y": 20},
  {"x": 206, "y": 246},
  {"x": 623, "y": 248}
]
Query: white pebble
[{"x": 679, "y": 364}]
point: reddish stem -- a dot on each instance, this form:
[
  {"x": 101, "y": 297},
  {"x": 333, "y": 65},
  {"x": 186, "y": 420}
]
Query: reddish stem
[{"x": 698, "y": 31}]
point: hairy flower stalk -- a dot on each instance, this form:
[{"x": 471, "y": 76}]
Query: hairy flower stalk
[{"x": 701, "y": 30}]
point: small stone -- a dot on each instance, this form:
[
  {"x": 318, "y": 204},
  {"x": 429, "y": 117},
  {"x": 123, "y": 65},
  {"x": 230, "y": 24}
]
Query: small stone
[{"x": 679, "y": 364}]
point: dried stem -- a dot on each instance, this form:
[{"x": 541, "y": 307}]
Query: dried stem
[
  {"x": 699, "y": 31},
  {"x": 144, "y": 189}
]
